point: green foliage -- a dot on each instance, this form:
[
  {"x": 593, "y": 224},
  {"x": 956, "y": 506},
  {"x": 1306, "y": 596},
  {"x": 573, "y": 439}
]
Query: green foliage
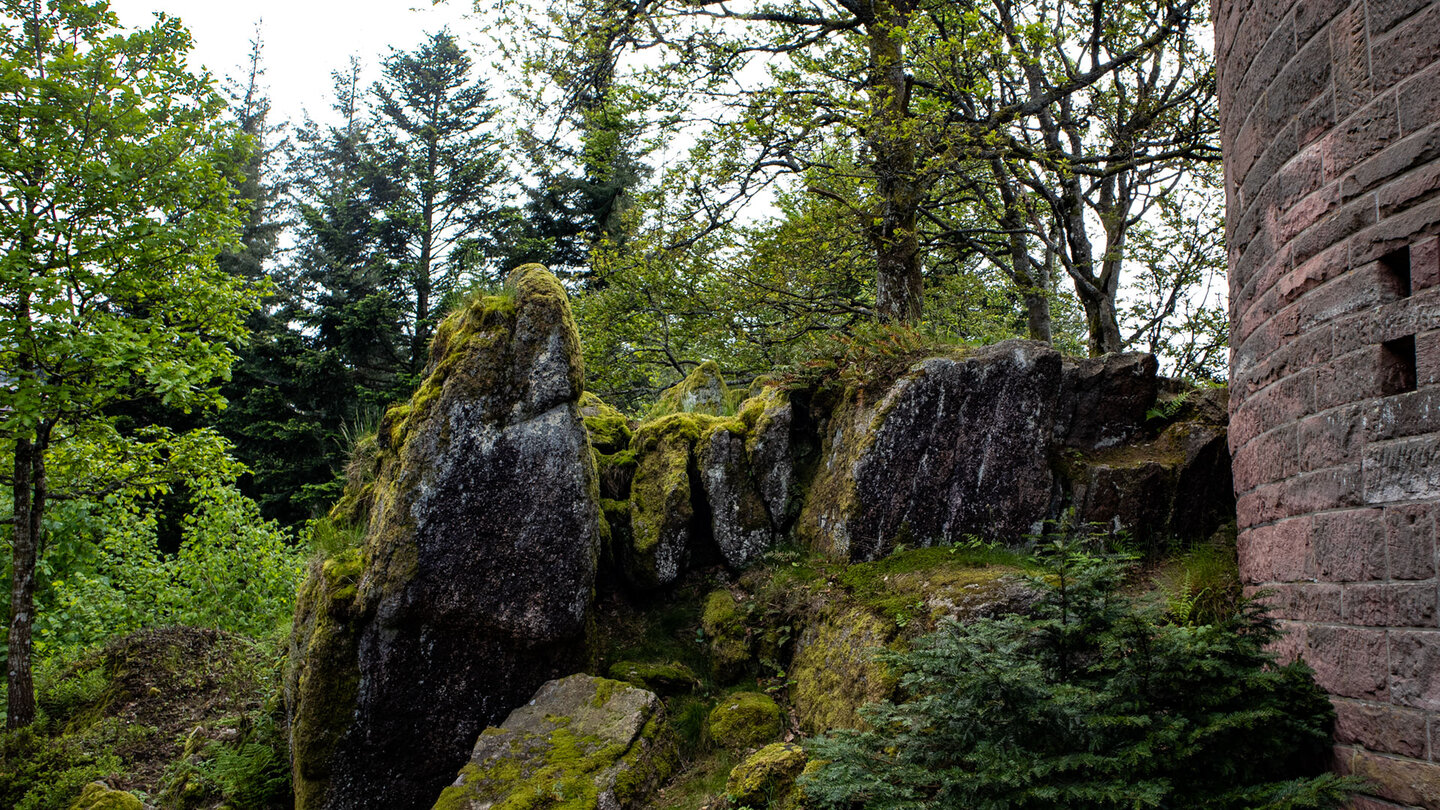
[
  {"x": 234, "y": 571},
  {"x": 1091, "y": 701},
  {"x": 1203, "y": 585},
  {"x": 37, "y": 773}
]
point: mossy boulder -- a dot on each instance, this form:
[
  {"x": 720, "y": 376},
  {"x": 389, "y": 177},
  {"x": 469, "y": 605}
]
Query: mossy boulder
[
  {"x": 767, "y": 777},
  {"x": 835, "y": 670},
  {"x": 723, "y": 622},
  {"x": 702, "y": 391},
  {"x": 100, "y": 796},
  {"x": 580, "y": 743},
  {"x": 772, "y": 449},
  {"x": 663, "y": 500},
  {"x": 664, "y": 678},
  {"x": 475, "y": 577},
  {"x": 744, "y": 720}
]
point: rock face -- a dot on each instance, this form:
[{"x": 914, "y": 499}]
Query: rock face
[
  {"x": 958, "y": 446},
  {"x": 707, "y": 487},
  {"x": 997, "y": 442},
  {"x": 475, "y": 578},
  {"x": 580, "y": 742}
]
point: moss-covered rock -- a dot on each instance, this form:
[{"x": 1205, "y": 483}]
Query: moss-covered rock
[
  {"x": 770, "y": 445},
  {"x": 663, "y": 499},
  {"x": 703, "y": 391},
  {"x": 835, "y": 670},
  {"x": 580, "y": 743},
  {"x": 478, "y": 563},
  {"x": 766, "y": 777},
  {"x": 744, "y": 720},
  {"x": 99, "y": 796},
  {"x": 728, "y": 636},
  {"x": 663, "y": 678}
]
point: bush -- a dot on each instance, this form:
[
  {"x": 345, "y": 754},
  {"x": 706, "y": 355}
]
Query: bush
[{"x": 1094, "y": 700}]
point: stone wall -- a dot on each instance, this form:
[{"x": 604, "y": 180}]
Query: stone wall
[{"x": 1330, "y": 117}]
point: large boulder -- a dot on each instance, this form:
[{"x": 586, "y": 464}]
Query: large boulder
[
  {"x": 581, "y": 742},
  {"x": 475, "y": 578},
  {"x": 959, "y": 445}
]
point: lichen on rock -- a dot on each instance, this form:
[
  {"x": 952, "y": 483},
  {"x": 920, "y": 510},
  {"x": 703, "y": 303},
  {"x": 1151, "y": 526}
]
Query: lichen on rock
[
  {"x": 477, "y": 567},
  {"x": 702, "y": 391},
  {"x": 959, "y": 445},
  {"x": 580, "y": 743}
]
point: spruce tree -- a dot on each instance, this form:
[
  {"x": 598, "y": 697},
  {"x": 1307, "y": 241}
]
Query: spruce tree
[{"x": 447, "y": 165}]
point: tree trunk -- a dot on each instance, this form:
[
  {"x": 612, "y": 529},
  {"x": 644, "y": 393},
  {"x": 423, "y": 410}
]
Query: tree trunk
[
  {"x": 899, "y": 287},
  {"x": 1101, "y": 322},
  {"x": 29, "y": 496},
  {"x": 423, "y": 273}
]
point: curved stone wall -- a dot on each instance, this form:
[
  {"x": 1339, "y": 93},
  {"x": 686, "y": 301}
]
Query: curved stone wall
[{"x": 1330, "y": 118}]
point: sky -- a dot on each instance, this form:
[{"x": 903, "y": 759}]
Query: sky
[{"x": 304, "y": 39}]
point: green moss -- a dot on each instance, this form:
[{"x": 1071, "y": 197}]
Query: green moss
[
  {"x": 667, "y": 678},
  {"x": 745, "y": 720},
  {"x": 569, "y": 775},
  {"x": 835, "y": 671},
  {"x": 703, "y": 391},
  {"x": 325, "y": 676},
  {"x": 725, "y": 628},
  {"x": 919, "y": 585},
  {"x": 99, "y": 796},
  {"x": 765, "y": 776}
]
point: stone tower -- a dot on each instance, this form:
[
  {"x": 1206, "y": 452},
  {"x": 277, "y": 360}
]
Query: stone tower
[{"x": 1330, "y": 121}]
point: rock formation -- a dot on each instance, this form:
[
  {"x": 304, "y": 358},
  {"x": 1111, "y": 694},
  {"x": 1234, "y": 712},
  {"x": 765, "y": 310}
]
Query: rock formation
[
  {"x": 473, "y": 584},
  {"x": 579, "y": 742}
]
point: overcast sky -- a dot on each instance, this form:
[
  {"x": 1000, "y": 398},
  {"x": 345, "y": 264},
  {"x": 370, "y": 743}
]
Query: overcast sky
[{"x": 304, "y": 39}]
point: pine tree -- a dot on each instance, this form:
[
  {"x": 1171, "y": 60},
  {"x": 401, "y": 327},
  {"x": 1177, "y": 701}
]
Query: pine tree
[{"x": 448, "y": 172}]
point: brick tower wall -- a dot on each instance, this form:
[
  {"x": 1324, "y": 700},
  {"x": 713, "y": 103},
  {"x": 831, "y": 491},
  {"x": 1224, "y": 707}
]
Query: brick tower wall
[{"x": 1330, "y": 121}]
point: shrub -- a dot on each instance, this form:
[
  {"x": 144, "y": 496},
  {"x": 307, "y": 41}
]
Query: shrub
[{"x": 1094, "y": 700}]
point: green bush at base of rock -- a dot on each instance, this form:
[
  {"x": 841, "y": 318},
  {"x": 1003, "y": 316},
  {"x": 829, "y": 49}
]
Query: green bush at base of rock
[{"x": 745, "y": 720}]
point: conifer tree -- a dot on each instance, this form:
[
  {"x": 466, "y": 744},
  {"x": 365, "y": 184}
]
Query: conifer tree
[{"x": 433, "y": 114}]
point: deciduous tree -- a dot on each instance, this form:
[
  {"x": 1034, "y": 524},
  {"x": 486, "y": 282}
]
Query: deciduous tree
[{"x": 114, "y": 203}]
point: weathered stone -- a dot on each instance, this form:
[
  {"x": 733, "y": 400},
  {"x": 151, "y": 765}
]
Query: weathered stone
[
  {"x": 581, "y": 742},
  {"x": 957, "y": 446},
  {"x": 1175, "y": 486},
  {"x": 100, "y": 796},
  {"x": 772, "y": 453},
  {"x": 1104, "y": 400},
  {"x": 739, "y": 520},
  {"x": 479, "y": 560}
]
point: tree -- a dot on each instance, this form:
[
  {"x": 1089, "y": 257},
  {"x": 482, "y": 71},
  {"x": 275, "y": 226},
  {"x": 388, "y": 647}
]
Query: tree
[
  {"x": 1091, "y": 700},
  {"x": 447, "y": 167},
  {"x": 114, "y": 203},
  {"x": 963, "y": 111}
]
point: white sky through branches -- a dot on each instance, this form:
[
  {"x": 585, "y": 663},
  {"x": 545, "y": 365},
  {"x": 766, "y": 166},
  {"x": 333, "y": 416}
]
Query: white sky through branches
[{"x": 304, "y": 39}]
